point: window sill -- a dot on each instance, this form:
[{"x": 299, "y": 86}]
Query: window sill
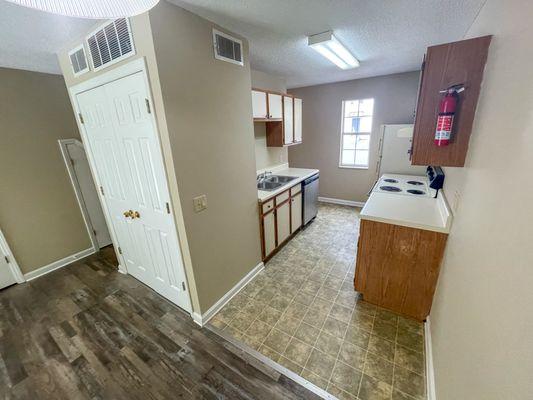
[{"x": 352, "y": 167}]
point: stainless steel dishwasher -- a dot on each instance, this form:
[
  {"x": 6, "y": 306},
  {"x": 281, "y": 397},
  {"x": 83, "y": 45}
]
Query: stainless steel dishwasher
[{"x": 310, "y": 191}]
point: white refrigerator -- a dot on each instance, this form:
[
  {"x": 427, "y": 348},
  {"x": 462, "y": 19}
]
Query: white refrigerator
[{"x": 394, "y": 151}]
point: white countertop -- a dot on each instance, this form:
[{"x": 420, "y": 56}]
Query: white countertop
[
  {"x": 426, "y": 213},
  {"x": 299, "y": 173}
]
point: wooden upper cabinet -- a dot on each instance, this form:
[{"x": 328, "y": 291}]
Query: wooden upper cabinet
[
  {"x": 259, "y": 104},
  {"x": 297, "y": 120},
  {"x": 288, "y": 120},
  {"x": 446, "y": 65}
]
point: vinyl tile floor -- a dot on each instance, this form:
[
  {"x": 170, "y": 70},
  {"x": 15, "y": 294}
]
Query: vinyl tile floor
[{"x": 302, "y": 312}]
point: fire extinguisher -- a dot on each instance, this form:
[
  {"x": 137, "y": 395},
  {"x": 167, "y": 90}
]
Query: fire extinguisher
[{"x": 447, "y": 109}]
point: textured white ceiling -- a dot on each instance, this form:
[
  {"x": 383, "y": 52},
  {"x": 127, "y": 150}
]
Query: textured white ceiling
[
  {"x": 387, "y": 36},
  {"x": 30, "y": 39}
]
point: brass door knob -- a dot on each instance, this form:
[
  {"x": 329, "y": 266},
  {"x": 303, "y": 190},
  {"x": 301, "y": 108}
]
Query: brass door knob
[{"x": 129, "y": 214}]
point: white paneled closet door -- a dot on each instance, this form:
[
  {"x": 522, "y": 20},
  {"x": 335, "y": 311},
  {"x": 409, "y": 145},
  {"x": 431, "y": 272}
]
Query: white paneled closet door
[{"x": 133, "y": 174}]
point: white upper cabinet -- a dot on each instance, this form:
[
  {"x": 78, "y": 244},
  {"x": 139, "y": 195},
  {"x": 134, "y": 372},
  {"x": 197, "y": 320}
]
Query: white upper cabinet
[
  {"x": 259, "y": 104},
  {"x": 288, "y": 120},
  {"x": 275, "y": 110},
  {"x": 297, "y": 120},
  {"x": 282, "y": 115}
]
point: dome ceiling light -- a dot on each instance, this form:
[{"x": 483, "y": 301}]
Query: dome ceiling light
[{"x": 95, "y": 9}]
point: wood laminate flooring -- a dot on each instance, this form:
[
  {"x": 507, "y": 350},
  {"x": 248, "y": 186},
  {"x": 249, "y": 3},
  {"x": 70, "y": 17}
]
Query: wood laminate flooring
[{"x": 89, "y": 332}]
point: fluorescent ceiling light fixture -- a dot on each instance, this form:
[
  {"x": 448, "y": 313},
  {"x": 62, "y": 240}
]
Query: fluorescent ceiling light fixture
[
  {"x": 330, "y": 47},
  {"x": 97, "y": 9}
]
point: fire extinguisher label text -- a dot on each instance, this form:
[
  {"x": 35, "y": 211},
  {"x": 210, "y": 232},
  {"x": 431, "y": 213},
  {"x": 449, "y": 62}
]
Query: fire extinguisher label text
[{"x": 444, "y": 127}]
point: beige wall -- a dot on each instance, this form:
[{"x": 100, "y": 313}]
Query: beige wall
[
  {"x": 209, "y": 115},
  {"x": 395, "y": 97},
  {"x": 482, "y": 316},
  {"x": 267, "y": 156},
  {"x": 144, "y": 48},
  {"x": 39, "y": 214},
  {"x": 203, "y": 110}
]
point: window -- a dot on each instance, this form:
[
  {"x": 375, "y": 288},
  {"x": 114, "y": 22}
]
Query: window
[{"x": 355, "y": 132}]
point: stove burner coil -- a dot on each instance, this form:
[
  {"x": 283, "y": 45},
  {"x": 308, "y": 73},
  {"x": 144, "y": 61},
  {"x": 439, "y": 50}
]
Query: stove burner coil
[
  {"x": 390, "y": 188},
  {"x": 389, "y": 180},
  {"x": 417, "y": 183},
  {"x": 417, "y": 192}
]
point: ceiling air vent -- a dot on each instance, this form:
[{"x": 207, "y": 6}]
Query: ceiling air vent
[
  {"x": 227, "y": 48},
  {"x": 111, "y": 43},
  {"x": 78, "y": 60}
]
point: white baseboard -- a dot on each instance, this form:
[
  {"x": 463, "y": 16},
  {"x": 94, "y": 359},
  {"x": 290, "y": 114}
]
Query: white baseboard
[
  {"x": 341, "y": 202},
  {"x": 202, "y": 319},
  {"x": 58, "y": 264},
  {"x": 430, "y": 373}
]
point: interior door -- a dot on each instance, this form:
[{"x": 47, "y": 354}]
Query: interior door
[
  {"x": 123, "y": 140},
  {"x": 84, "y": 179},
  {"x": 6, "y": 276}
]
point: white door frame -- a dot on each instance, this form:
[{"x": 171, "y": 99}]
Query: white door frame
[
  {"x": 130, "y": 68},
  {"x": 13, "y": 265},
  {"x": 63, "y": 143}
]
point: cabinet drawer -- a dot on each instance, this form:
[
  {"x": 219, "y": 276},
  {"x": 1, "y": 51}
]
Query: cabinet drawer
[
  {"x": 280, "y": 198},
  {"x": 296, "y": 189},
  {"x": 269, "y": 205}
]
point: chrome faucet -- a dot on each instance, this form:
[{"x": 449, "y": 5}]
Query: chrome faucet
[{"x": 263, "y": 175}]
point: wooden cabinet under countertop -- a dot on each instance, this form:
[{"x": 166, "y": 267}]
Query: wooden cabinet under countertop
[
  {"x": 280, "y": 218},
  {"x": 398, "y": 267}
]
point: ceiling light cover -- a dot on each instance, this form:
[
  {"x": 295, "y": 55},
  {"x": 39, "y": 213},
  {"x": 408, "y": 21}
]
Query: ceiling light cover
[
  {"x": 97, "y": 9},
  {"x": 329, "y": 46}
]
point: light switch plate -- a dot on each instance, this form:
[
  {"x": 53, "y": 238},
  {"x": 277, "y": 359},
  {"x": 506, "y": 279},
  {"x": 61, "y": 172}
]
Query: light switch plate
[{"x": 200, "y": 203}]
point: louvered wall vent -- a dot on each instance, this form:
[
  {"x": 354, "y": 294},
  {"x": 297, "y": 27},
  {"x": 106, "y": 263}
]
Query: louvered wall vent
[
  {"x": 227, "y": 48},
  {"x": 78, "y": 60},
  {"x": 111, "y": 44}
]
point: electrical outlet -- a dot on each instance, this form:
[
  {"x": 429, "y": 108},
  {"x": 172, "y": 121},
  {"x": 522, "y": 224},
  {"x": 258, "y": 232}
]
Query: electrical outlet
[
  {"x": 200, "y": 203},
  {"x": 456, "y": 200}
]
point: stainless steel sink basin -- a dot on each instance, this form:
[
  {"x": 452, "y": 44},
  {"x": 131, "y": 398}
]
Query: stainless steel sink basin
[
  {"x": 280, "y": 178},
  {"x": 267, "y": 185}
]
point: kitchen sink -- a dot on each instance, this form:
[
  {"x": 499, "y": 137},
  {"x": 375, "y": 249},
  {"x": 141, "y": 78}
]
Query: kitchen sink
[
  {"x": 266, "y": 185},
  {"x": 280, "y": 178}
]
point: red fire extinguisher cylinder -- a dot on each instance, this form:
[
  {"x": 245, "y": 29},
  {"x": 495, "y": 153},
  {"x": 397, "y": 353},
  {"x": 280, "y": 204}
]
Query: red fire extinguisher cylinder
[{"x": 447, "y": 108}]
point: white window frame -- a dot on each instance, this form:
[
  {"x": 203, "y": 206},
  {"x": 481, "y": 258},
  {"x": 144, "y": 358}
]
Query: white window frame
[
  {"x": 234, "y": 39},
  {"x": 369, "y": 134}
]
